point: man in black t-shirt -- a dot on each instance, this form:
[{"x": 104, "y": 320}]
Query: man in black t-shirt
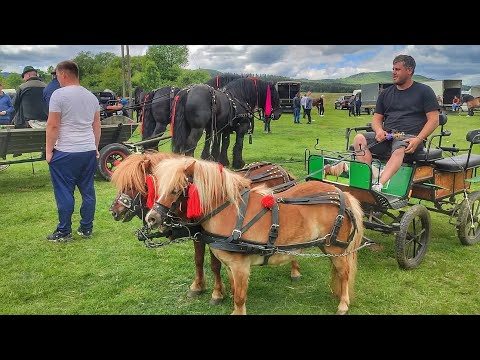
[{"x": 408, "y": 107}]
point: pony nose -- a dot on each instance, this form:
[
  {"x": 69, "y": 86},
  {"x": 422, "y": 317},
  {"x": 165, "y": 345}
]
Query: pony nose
[{"x": 151, "y": 220}]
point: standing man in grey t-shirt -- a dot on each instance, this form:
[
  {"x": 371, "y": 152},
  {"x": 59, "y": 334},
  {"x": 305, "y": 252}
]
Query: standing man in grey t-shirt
[{"x": 72, "y": 138}]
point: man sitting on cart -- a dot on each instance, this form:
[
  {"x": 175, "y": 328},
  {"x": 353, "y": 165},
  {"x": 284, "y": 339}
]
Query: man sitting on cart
[{"x": 407, "y": 107}]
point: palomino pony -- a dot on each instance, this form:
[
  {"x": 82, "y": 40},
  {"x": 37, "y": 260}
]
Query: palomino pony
[
  {"x": 134, "y": 197},
  {"x": 201, "y": 107},
  {"x": 247, "y": 226}
]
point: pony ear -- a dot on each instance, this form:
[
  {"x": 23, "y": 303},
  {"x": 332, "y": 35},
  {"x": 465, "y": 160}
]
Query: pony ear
[{"x": 190, "y": 168}]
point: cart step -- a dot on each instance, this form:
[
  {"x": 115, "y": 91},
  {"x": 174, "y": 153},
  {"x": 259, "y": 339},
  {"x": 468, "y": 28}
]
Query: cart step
[
  {"x": 474, "y": 179},
  {"x": 435, "y": 186}
]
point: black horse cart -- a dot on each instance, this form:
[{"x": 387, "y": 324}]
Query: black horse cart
[{"x": 116, "y": 130}]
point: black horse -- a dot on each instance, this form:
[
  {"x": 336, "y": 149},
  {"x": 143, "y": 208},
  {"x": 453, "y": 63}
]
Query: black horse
[
  {"x": 138, "y": 97},
  {"x": 155, "y": 108},
  {"x": 232, "y": 108},
  {"x": 220, "y": 81},
  {"x": 156, "y": 113}
]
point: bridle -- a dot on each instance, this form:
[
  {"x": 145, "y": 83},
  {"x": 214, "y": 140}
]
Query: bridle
[{"x": 134, "y": 206}]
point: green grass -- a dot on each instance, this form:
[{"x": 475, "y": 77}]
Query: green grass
[{"x": 113, "y": 273}]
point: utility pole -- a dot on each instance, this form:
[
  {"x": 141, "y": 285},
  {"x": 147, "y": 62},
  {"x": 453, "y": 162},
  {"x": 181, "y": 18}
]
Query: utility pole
[
  {"x": 129, "y": 72},
  {"x": 123, "y": 73}
]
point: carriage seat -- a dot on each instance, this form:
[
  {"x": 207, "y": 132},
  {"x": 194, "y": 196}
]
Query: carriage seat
[
  {"x": 420, "y": 156},
  {"x": 459, "y": 162}
]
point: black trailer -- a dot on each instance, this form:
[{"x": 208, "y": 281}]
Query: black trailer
[{"x": 287, "y": 91}]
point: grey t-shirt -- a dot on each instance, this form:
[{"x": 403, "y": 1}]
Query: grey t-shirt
[
  {"x": 77, "y": 106},
  {"x": 405, "y": 110}
]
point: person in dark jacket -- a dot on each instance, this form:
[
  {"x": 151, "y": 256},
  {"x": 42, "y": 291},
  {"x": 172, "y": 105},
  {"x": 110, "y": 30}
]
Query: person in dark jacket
[
  {"x": 296, "y": 108},
  {"x": 49, "y": 89},
  {"x": 6, "y": 107},
  {"x": 28, "y": 102}
]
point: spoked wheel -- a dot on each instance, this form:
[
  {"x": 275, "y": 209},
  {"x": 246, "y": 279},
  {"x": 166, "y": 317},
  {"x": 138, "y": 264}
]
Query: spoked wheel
[
  {"x": 110, "y": 156},
  {"x": 412, "y": 240},
  {"x": 468, "y": 228}
]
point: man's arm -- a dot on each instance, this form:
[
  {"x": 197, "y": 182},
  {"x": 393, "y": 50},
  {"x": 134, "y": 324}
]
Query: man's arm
[
  {"x": 16, "y": 104},
  {"x": 430, "y": 126},
  {"x": 377, "y": 126},
  {"x": 97, "y": 130},
  {"x": 53, "y": 127}
]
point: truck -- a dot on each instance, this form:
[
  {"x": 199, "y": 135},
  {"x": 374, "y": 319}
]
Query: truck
[
  {"x": 370, "y": 94},
  {"x": 287, "y": 91},
  {"x": 447, "y": 89}
]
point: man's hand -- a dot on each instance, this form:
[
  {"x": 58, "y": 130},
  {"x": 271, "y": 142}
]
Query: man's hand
[
  {"x": 412, "y": 145},
  {"x": 3, "y": 113},
  {"x": 48, "y": 156},
  {"x": 380, "y": 135},
  {"x": 98, "y": 154}
]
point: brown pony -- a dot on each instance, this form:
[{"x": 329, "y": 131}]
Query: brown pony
[
  {"x": 130, "y": 179},
  {"x": 473, "y": 103},
  {"x": 313, "y": 213}
]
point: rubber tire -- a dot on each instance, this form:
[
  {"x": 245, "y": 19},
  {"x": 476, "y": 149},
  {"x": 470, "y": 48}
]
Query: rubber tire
[
  {"x": 464, "y": 219},
  {"x": 414, "y": 213},
  {"x": 108, "y": 154}
]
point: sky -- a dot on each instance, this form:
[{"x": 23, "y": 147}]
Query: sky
[{"x": 313, "y": 62}]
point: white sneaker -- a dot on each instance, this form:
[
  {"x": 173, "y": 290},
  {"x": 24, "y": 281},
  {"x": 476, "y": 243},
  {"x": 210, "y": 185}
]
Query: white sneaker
[{"x": 377, "y": 187}]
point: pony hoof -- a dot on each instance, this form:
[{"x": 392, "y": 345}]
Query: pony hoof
[
  {"x": 215, "y": 301},
  {"x": 341, "y": 312},
  {"x": 195, "y": 293},
  {"x": 295, "y": 278}
]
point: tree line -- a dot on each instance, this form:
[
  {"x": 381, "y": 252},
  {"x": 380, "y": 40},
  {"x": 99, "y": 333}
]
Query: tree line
[{"x": 162, "y": 65}]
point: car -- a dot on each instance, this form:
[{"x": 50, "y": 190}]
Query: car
[{"x": 342, "y": 102}]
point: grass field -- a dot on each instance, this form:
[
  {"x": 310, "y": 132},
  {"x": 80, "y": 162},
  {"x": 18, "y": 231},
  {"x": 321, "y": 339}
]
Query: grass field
[{"x": 113, "y": 273}]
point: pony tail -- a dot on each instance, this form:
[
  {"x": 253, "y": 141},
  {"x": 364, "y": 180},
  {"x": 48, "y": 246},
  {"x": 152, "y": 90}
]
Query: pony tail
[{"x": 179, "y": 123}]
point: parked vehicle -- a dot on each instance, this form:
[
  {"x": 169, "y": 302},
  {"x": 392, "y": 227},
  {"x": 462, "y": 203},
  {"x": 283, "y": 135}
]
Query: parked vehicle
[
  {"x": 370, "y": 94},
  {"x": 342, "y": 102},
  {"x": 286, "y": 91},
  {"x": 447, "y": 89}
]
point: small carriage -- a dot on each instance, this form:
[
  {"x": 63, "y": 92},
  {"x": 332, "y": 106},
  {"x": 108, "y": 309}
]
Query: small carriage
[
  {"x": 441, "y": 182},
  {"x": 113, "y": 149}
]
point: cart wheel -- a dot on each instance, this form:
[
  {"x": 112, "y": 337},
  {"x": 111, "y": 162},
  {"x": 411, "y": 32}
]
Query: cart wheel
[
  {"x": 4, "y": 167},
  {"x": 110, "y": 156},
  {"x": 468, "y": 228},
  {"x": 412, "y": 240}
]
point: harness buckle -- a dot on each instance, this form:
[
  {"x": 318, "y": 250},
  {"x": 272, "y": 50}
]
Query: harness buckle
[
  {"x": 236, "y": 234},
  {"x": 274, "y": 229}
]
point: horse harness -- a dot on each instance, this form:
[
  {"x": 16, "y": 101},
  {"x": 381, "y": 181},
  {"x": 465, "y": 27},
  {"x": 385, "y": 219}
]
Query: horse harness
[
  {"x": 272, "y": 172},
  {"x": 235, "y": 243}
]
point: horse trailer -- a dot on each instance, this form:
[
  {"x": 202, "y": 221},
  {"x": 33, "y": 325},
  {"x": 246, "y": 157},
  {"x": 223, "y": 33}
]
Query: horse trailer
[
  {"x": 287, "y": 91},
  {"x": 370, "y": 94},
  {"x": 447, "y": 89}
]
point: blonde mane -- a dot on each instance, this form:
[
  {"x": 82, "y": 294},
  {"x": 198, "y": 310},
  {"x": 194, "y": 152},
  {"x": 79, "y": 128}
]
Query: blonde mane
[
  {"x": 131, "y": 173},
  {"x": 215, "y": 184}
]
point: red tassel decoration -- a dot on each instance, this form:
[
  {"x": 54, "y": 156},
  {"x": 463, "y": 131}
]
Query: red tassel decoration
[
  {"x": 268, "y": 102},
  {"x": 193, "y": 203},
  {"x": 220, "y": 166},
  {"x": 152, "y": 191},
  {"x": 268, "y": 201}
]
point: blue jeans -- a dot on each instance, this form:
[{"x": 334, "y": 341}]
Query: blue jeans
[
  {"x": 296, "y": 115},
  {"x": 68, "y": 170}
]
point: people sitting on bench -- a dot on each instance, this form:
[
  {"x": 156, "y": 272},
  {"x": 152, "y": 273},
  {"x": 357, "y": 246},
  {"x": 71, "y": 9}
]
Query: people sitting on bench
[{"x": 408, "y": 107}]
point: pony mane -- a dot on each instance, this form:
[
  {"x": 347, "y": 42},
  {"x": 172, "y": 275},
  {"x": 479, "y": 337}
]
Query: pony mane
[
  {"x": 215, "y": 184},
  {"x": 245, "y": 89},
  {"x": 131, "y": 173},
  {"x": 220, "y": 81}
]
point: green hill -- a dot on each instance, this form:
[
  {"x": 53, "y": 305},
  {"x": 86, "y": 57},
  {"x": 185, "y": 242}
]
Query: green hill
[{"x": 371, "y": 77}]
